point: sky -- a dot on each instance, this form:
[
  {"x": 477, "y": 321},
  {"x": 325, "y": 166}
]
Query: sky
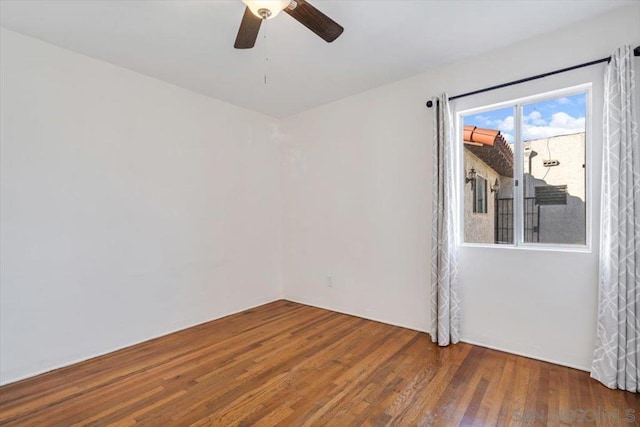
[{"x": 559, "y": 116}]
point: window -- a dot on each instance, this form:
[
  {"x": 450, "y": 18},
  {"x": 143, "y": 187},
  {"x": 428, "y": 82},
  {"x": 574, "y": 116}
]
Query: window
[
  {"x": 525, "y": 166},
  {"x": 480, "y": 195}
]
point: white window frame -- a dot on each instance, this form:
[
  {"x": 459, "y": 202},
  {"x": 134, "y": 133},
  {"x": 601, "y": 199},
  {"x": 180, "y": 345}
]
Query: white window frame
[{"x": 518, "y": 204}]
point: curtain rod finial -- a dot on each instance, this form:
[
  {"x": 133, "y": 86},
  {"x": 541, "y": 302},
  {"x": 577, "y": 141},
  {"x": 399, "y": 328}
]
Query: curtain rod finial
[{"x": 429, "y": 103}]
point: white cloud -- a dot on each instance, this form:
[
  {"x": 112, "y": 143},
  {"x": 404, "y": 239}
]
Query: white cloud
[
  {"x": 534, "y": 126},
  {"x": 563, "y": 120},
  {"x": 535, "y": 118},
  {"x": 563, "y": 100},
  {"x": 505, "y": 125},
  {"x": 560, "y": 124}
]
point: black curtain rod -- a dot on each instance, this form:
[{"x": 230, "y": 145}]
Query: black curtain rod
[{"x": 636, "y": 52}]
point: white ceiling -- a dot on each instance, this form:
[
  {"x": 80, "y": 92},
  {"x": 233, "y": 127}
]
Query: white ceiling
[{"x": 190, "y": 43}]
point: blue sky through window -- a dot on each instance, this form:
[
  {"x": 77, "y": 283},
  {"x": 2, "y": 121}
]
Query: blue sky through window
[{"x": 558, "y": 116}]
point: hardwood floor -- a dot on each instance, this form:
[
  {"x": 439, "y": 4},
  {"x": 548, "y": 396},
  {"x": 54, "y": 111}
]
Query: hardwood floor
[{"x": 289, "y": 364}]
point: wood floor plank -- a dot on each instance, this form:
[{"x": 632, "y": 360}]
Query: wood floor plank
[{"x": 289, "y": 364}]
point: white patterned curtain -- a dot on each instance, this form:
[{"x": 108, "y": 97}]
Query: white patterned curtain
[
  {"x": 617, "y": 355},
  {"x": 445, "y": 304}
]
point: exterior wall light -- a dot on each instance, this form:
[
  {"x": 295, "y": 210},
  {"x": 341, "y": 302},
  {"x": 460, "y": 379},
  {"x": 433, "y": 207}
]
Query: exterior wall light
[
  {"x": 471, "y": 177},
  {"x": 495, "y": 187}
]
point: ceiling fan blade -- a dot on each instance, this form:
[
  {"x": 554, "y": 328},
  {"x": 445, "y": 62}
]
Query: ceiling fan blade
[
  {"x": 248, "y": 32},
  {"x": 315, "y": 20}
]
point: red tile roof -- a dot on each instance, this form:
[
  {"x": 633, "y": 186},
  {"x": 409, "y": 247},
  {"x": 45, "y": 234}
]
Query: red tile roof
[
  {"x": 480, "y": 136},
  {"x": 491, "y": 147}
]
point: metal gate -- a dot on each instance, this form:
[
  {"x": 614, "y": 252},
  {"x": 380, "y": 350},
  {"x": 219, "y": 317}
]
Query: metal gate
[{"x": 504, "y": 220}]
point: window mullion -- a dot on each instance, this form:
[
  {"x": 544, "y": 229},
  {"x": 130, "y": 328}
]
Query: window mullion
[{"x": 518, "y": 217}]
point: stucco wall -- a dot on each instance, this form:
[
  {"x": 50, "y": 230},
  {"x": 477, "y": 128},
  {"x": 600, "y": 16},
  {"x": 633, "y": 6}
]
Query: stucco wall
[
  {"x": 479, "y": 227},
  {"x": 569, "y": 150},
  {"x": 560, "y": 223}
]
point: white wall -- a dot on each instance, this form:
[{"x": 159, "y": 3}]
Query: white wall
[
  {"x": 357, "y": 197},
  {"x": 130, "y": 208}
]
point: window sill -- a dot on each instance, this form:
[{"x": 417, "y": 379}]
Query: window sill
[{"x": 524, "y": 247}]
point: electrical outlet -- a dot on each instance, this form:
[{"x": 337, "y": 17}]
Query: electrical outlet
[{"x": 330, "y": 281}]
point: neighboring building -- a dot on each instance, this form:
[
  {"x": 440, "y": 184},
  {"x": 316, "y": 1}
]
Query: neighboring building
[
  {"x": 554, "y": 188},
  {"x": 558, "y": 161},
  {"x": 490, "y": 157}
]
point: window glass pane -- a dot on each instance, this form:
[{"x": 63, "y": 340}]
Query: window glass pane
[
  {"x": 488, "y": 185},
  {"x": 480, "y": 195},
  {"x": 554, "y": 170}
]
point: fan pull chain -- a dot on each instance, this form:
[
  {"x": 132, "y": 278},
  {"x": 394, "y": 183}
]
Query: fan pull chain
[{"x": 266, "y": 57}]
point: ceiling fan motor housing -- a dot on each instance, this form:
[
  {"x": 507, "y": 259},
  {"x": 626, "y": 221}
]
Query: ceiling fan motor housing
[
  {"x": 264, "y": 13},
  {"x": 266, "y": 9}
]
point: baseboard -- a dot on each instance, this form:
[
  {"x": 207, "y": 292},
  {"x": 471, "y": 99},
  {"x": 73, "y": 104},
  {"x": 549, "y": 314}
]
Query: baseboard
[
  {"x": 374, "y": 319},
  {"x": 528, "y": 356}
]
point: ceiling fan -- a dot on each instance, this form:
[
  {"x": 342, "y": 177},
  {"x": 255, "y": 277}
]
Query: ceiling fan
[{"x": 260, "y": 10}]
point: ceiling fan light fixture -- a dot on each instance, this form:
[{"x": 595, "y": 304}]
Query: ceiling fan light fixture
[
  {"x": 257, "y": 11},
  {"x": 266, "y": 9}
]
